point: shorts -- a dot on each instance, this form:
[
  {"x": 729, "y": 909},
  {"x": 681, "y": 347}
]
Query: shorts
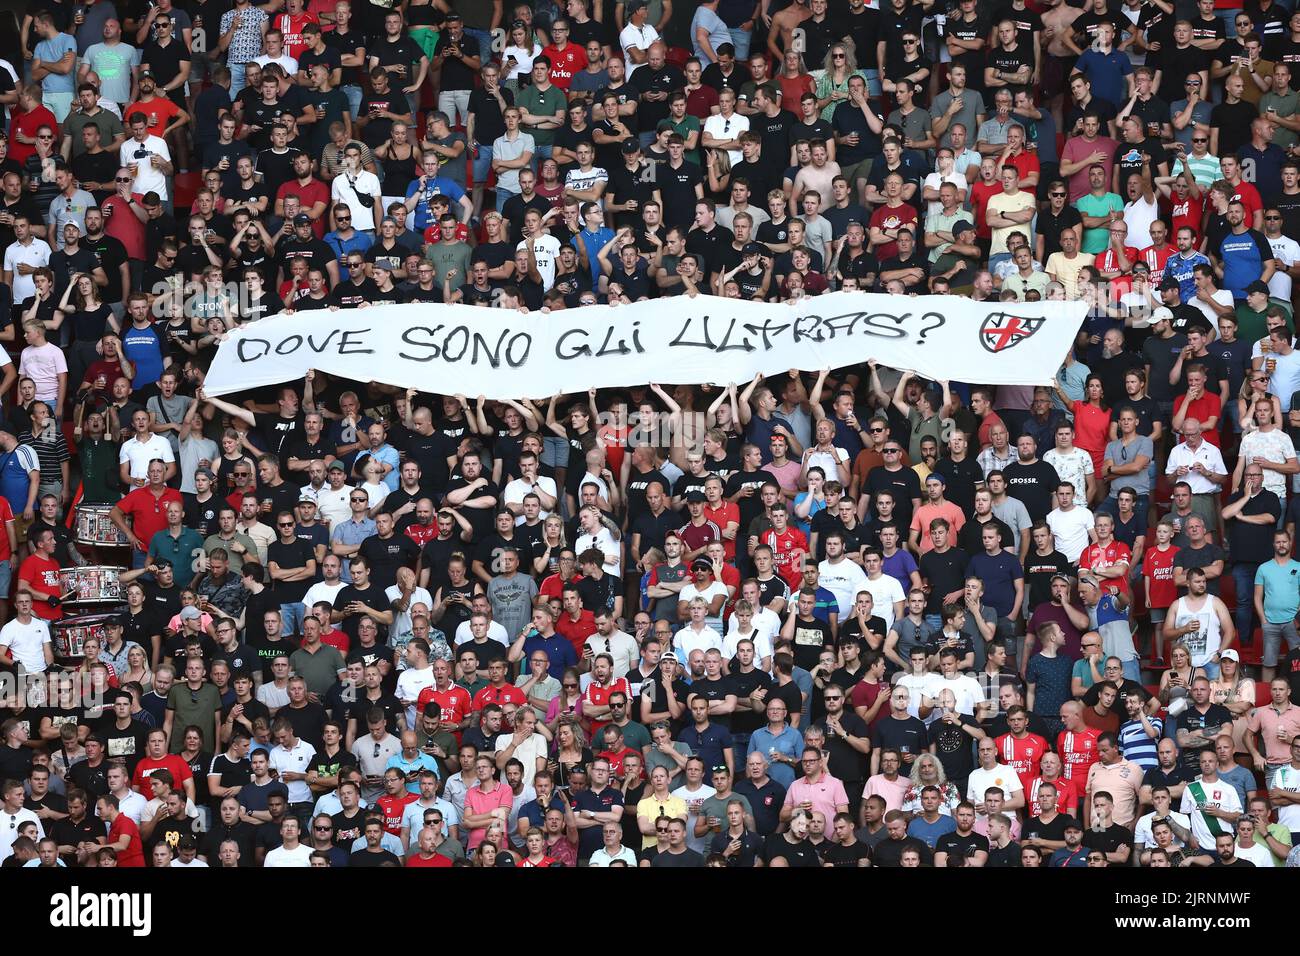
[
  {"x": 1273, "y": 636},
  {"x": 1158, "y": 614},
  {"x": 6, "y": 578}
]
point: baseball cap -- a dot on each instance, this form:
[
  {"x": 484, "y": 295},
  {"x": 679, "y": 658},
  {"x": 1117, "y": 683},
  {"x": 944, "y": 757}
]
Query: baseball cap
[
  {"x": 211, "y": 475},
  {"x": 692, "y": 496},
  {"x": 962, "y": 225},
  {"x": 1230, "y": 655},
  {"x": 701, "y": 564},
  {"x": 631, "y": 146},
  {"x": 1061, "y": 577},
  {"x": 453, "y": 16},
  {"x": 1257, "y": 286},
  {"x": 187, "y": 842},
  {"x": 1072, "y": 824},
  {"x": 669, "y": 656},
  {"x": 1161, "y": 314},
  {"x": 336, "y": 466},
  {"x": 302, "y": 219},
  {"x": 935, "y": 476},
  {"x": 305, "y": 498},
  {"x": 146, "y": 73},
  {"x": 753, "y": 249},
  {"x": 190, "y": 613}
]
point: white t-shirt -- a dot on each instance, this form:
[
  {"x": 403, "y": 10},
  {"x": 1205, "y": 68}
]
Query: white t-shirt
[
  {"x": 919, "y": 685},
  {"x": 345, "y": 191},
  {"x": 295, "y": 760},
  {"x": 688, "y": 639},
  {"x": 26, "y": 643},
  {"x": 409, "y": 684},
  {"x": 1000, "y": 776},
  {"x": 495, "y": 633},
  {"x": 35, "y": 254},
  {"x": 1144, "y": 839},
  {"x": 545, "y": 249},
  {"x": 322, "y": 591},
  {"x": 1256, "y": 853},
  {"x": 622, "y": 647},
  {"x": 1288, "y": 814},
  {"x": 1223, "y": 297},
  {"x": 281, "y": 857},
  {"x": 9, "y": 834},
  {"x": 762, "y": 642},
  {"x": 1070, "y": 530},
  {"x": 885, "y": 591},
  {"x": 604, "y": 542},
  {"x": 526, "y": 753},
  {"x": 1073, "y": 466},
  {"x": 332, "y": 505},
  {"x": 844, "y": 579},
  {"x": 1218, "y": 794},
  {"x": 965, "y": 689},
  {"x": 272, "y": 696},
  {"x": 1287, "y": 251},
  {"x": 578, "y": 180},
  {"x": 515, "y": 491},
  {"x": 1275, "y": 446},
  {"x": 637, "y": 38},
  {"x": 148, "y": 177},
  {"x": 138, "y": 454},
  {"x": 729, "y": 127}
]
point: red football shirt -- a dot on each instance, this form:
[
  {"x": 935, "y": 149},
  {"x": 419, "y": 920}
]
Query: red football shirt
[
  {"x": 133, "y": 855},
  {"x": 788, "y": 549},
  {"x": 437, "y": 861},
  {"x": 565, "y": 63},
  {"x": 148, "y": 514},
  {"x": 1158, "y": 569},
  {"x": 506, "y": 694},
  {"x": 454, "y": 702},
  {"x": 393, "y": 808},
  {"x": 576, "y": 632},
  {"x": 1078, "y": 752},
  {"x": 1023, "y": 755},
  {"x": 1096, "y": 557},
  {"x": 42, "y": 575}
]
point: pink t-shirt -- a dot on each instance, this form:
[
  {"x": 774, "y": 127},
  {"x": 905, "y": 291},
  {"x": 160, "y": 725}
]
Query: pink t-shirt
[
  {"x": 891, "y": 793},
  {"x": 476, "y": 801},
  {"x": 42, "y": 364},
  {"x": 826, "y": 795}
]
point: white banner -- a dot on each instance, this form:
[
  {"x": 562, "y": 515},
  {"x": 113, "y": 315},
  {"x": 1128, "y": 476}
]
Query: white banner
[{"x": 499, "y": 353}]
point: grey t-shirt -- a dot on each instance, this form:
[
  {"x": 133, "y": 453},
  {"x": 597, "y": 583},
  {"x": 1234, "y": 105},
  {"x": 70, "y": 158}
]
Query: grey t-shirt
[
  {"x": 453, "y": 169},
  {"x": 972, "y": 107},
  {"x": 1119, "y": 454},
  {"x": 512, "y": 600},
  {"x": 170, "y": 411}
]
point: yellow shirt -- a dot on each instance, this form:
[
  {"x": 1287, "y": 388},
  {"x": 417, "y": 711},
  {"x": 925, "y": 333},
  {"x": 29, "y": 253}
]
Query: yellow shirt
[{"x": 652, "y": 807}]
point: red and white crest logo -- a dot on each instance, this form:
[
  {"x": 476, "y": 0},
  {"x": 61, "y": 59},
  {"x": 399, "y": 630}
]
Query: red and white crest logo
[{"x": 1000, "y": 331}]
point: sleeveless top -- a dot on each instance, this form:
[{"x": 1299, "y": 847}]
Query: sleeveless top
[
  {"x": 398, "y": 173},
  {"x": 1203, "y": 643}
]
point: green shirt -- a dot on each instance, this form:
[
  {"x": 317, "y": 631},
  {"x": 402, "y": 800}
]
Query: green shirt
[
  {"x": 1284, "y": 105},
  {"x": 98, "y": 468},
  {"x": 1251, "y": 325},
  {"x": 1096, "y": 240},
  {"x": 197, "y": 707},
  {"x": 938, "y": 222},
  {"x": 688, "y": 125},
  {"x": 540, "y": 103},
  {"x": 320, "y": 669}
]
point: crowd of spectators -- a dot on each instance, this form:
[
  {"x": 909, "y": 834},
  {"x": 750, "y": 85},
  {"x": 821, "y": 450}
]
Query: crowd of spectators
[{"x": 842, "y": 617}]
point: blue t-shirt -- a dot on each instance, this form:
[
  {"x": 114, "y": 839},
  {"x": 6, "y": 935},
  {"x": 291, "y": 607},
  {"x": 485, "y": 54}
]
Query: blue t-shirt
[
  {"x": 594, "y": 241},
  {"x": 50, "y": 52},
  {"x": 15, "y": 476},
  {"x": 1243, "y": 258},
  {"x": 1281, "y": 590},
  {"x": 1106, "y": 72},
  {"x": 439, "y": 186},
  {"x": 557, "y": 649},
  {"x": 1051, "y": 679},
  {"x": 1181, "y": 269},
  {"x": 999, "y": 572},
  {"x": 929, "y": 833},
  {"x": 143, "y": 348}
]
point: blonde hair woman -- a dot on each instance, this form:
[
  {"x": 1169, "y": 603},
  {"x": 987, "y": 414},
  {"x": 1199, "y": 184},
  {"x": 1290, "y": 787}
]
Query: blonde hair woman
[{"x": 833, "y": 85}]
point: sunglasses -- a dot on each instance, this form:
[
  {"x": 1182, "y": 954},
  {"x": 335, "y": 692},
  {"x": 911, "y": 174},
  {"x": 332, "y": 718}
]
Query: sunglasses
[
  {"x": 1057, "y": 195},
  {"x": 123, "y": 179},
  {"x": 876, "y": 431}
]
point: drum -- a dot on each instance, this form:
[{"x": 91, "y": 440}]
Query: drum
[
  {"x": 94, "y": 527},
  {"x": 69, "y": 635},
  {"x": 92, "y": 584}
]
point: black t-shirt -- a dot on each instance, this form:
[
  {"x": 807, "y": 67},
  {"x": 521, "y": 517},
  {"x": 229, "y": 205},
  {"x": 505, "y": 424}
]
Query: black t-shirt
[
  {"x": 386, "y": 555},
  {"x": 378, "y": 129},
  {"x": 455, "y": 74},
  {"x": 944, "y": 573},
  {"x": 1108, "y": 840},
  {"x": 1034, "y": 485},
  {"x": 810, "y": 636},
  {"x": 802, "y": 853},
  {"x": 293, "y": 555},
  {"x": 953, "y": 747},
  {"x": 372, "y": 596},
  {"x": 908, "y": 736},
  {"x": 954, "y": 844}
]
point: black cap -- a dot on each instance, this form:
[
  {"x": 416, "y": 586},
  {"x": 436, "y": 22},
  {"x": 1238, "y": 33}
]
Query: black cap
[
  {"x": 302, "y": 219},
  {"x": 631, "y": 146},
  {"x": 701, "y": 564},
  {"x": 1257, "y": 286},
  {"x": 753, "y": 249},
  {"x": 693, "y": 497}
]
